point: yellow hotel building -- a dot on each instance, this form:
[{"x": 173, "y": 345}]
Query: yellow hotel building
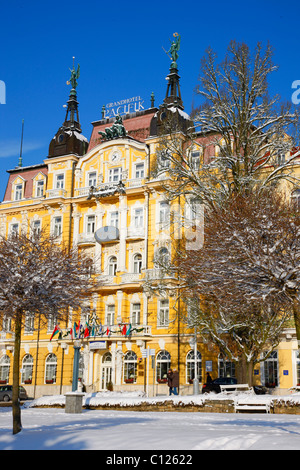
[{"x": 76, "y": 193}]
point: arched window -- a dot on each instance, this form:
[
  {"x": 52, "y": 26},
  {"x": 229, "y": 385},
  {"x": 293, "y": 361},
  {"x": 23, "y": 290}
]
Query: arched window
[
  {"x": 27, "y": 369},
  {"x": 163, "y": 364},
  {"x": 51, "y": 369},
  {"x": 112, "y": 266},
  {"x": 190, "y": 366},
  {"x": 137, "y": 263},
  {"x": 226, "y": 367},
  {"x": 130, "y": 367},
  {"x": 4, "y": 369}
]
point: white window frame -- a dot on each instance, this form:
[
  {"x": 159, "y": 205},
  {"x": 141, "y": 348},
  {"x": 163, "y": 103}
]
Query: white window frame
[
  {"x": 92, "y": 178},
  {"x": 115, "y": 174},
  {"x": 139, "y": 170},
  {"x": 136, "y": 313},
  {"x": 112, "y": 265},
  {"x": 90, "y": 223},
  {"x": 164, "y": 212},
  {"x": 163, "y": 313},
  {"x": 36, "y": 226},
  {"x": 14, "y": 227},
  {"x": 18, "y": 192},
  {"x": 40, "y": 188},
  {"x": 60, "y": 181},
  {"x": 137, "y": 263},
  {"x": 138, "y": 217},
  {"x": 110, "y": 314},
  {"x": 57, "y": 227},
  {"x": 114, "y": 218}
]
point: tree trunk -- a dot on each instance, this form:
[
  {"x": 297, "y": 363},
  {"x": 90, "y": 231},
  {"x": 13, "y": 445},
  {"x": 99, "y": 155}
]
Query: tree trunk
[
  {"x": 245, "y": 371},
  {"x": 296, "y": 313},
  {"x": 16, "y": 410}
]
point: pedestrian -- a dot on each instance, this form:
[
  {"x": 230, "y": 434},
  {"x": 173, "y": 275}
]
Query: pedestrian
[
  {"x": 170, "y": 378},
  {"x": 175, "y": 382},
  {"x": 208, "y": 378}
]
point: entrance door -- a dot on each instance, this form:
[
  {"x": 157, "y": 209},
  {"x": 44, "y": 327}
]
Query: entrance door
[{"x": 106, "y": 371}]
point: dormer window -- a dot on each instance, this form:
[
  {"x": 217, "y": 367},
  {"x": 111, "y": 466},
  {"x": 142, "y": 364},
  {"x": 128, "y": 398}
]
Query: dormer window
[
  {"x": 40, "y": 188},
  {"x": 18, "y": 192}
]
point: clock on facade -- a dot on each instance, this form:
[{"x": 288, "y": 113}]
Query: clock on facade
[{"x": 115, "y": 156}]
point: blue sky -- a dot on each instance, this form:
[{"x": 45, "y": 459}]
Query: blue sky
[{"x": 119, "y": 46}]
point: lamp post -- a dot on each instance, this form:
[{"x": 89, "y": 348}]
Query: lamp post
[
  {"x": 77, "y": 346},
  {"x": 196, "y": 380}
]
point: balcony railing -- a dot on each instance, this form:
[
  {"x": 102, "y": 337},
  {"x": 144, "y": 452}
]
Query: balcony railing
[
  {"x": 130, "y": 277},
  {"x": 56, "y": 193}
]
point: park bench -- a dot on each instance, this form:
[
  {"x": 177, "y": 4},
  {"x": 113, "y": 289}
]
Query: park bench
[
  {"x": 252, "y": 407},
  {"x": 236, "y": 388}
]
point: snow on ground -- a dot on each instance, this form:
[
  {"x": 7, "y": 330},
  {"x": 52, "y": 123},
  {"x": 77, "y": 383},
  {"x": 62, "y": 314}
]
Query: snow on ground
[{"x": 111, "y": 430}]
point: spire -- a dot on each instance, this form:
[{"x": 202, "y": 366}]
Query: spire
[
  {"x": 68, "y": 140},
  {"x": 173, "y": 94},
  {"x": 72, "y": 114}
]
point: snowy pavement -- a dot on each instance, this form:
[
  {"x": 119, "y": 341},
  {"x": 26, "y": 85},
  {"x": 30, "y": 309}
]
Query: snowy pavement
[{"x": 53, "y": 429}]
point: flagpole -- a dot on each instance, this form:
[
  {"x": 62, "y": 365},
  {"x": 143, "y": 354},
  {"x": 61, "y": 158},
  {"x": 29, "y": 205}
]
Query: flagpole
[{"x": 21, "y": 148}]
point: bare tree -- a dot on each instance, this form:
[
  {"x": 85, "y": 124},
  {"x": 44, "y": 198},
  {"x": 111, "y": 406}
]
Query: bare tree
[
  {"x": 243, "y": 285},
  {"x": 39, "y": 277},
  {"x": 246, "y": 139}
]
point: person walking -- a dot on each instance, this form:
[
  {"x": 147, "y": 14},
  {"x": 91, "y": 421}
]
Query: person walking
[
  {"x": 170, "y": 379},
  {"x": 175, "y": 382}
]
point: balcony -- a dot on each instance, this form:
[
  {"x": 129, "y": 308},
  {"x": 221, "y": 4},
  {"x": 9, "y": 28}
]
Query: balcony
[
  {"x": 157, "y": 274},
  {"x": 86, "y": 239},
  {"x": 51, "y": 193},
  {"x": 128, "y": 278}
]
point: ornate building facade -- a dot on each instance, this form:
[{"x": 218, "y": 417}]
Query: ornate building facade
[{"x": 99, "y": 195}]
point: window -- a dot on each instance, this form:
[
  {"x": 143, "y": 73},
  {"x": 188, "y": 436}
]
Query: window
[
  {"x": 163, "y": 364},
  {"x": 92, "y": 178},
  {"x": 6, "y": 323},
  {"x": 51, "y": 368},
  {"x": 135, "y": 314},
  {"x": 40, "y": 188},
  {"x": 14, "y": 229},
  {"x": 162, "y": 258},
  {"x": 163, "y": 159},
  {"x": 60, "y": 181},
  {"x": 4, "y": 368},
  {"x": 18, "y": 192},
  {"x": 137, "y": 263},
  {"x": 190, "y": 366},
  {"x": 164, "y": 212},
  {"x": 51, "y": 323},
  {"x": 130, "y": 367},
  {"x": 36, "y": 226},
  {"x": 139, "y": 170},
  {"x": 115, "y": 175},
  {"x": 27, "y": 369},
  {"x": 295, "y": 199},
  {"x": 163, "y": 313},
  {"x": 110, "y": 314},
  {"x": 114, "y": 219},
  {"x": 226, "y": 367},
  {"x": 29, "y": 323},
  {"x": 195, "y": 160},
  {"x": 90, "y": 224},
  {"x": 194, "y": 209},
  {"x": 138, "y": 218},
  {"x": 298, "y": 367},
  {"x": 57, "y": 227},
  {"x": 271, "y": 370},
  {"x": 112, "y": 266}
]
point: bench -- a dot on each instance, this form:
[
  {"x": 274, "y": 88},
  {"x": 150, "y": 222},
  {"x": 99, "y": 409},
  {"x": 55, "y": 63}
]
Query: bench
[
  {"x": 236, "y": 388},
  {"x": 252, "y": 407}
]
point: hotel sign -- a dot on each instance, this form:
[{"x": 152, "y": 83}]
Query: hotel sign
[{"x": 127, "y": 106}]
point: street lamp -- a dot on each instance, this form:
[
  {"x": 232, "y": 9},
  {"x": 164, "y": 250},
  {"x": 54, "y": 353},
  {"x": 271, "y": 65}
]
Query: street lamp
[
  {"x": 77, "y": 346},
  {"x": 196, "y": 380}
]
